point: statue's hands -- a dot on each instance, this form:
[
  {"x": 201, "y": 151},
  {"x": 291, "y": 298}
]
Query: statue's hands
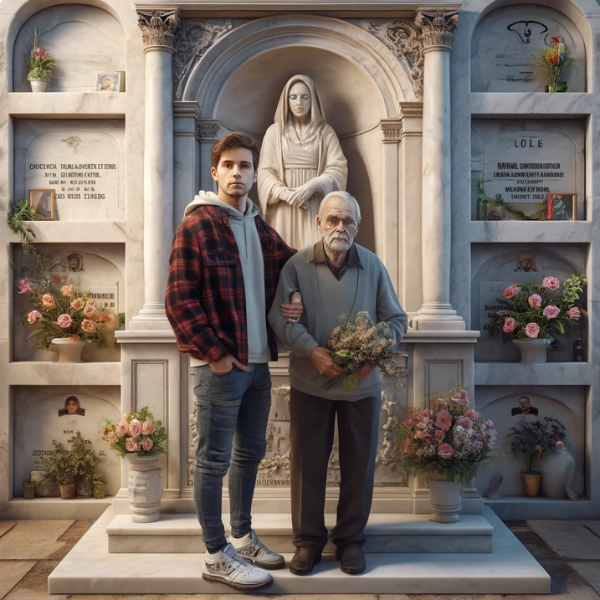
[
  {"x": 294, "y": 310},
  {"x": 300, "y": 196},
  {"x": 323, "y": 362},
  {"x": 286, "y": 195}
]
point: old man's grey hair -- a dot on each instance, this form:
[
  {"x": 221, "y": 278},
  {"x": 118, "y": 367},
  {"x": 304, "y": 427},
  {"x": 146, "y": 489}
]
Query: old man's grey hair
[{"x": 344, "y": 196}]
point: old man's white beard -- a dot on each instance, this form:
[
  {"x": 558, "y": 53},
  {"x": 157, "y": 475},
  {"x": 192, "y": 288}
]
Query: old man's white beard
[{"x": 337, "y": 242}]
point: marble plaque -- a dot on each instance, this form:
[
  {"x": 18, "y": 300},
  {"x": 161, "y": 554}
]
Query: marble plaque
[
  {"x": 505, "y": 45},
  {"x": 522, "y": 161},
  {"x": 40, "y": 417},
  {"x": 78, "y": 160},
  {"x": 84, "y": 39}
]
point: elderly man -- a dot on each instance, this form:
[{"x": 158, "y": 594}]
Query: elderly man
[{"x": 335, "y": 277}]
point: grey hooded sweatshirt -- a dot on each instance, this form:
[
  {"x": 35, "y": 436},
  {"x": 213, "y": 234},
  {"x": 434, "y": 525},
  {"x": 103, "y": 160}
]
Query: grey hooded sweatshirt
[{"x": 253, "y": 269}]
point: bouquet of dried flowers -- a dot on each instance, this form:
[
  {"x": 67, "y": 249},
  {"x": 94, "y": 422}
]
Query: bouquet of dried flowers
[
  {"x": 533, "y": 438},
  {"x": 449, "y": 438},
  {"x": 136, "y": 434},
  {"x": 539, "y": 311},
  {"x": 352, "y": 345},
  {"x": 555, "y": 61},
  {"x": 39, "y": 62}
]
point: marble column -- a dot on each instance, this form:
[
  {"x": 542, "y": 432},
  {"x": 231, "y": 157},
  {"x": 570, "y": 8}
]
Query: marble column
[
  {"x": 436, "y": 313},
  {"x": 158, "y": 32}
]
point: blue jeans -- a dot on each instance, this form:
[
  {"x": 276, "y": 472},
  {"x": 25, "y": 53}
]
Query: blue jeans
[{"x": 233, "y": 411}]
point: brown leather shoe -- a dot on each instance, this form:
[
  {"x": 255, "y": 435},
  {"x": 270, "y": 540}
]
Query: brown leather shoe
[
  {"x": 304, "y": 560},
  {"x": 352, "y": 558}
]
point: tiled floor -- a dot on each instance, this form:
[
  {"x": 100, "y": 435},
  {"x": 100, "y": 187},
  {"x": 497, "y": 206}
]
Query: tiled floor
[{"x": 568, "y": 550}]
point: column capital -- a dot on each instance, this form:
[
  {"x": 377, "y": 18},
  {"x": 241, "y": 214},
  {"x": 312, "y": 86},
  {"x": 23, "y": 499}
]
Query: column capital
[
  {"x": 158, "y": 27},
  {"x": 437, "y": 28},
  {"x": 392, "y": 130}
]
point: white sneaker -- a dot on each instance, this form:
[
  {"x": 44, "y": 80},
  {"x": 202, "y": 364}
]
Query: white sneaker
[
  {"x": 253, "y": 550},
  {"x": 227, "y": 566}
]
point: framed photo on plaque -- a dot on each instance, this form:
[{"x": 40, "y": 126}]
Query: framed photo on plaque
[
  {"x": 110, "y": 82},
  {"x": 43, "y": 203},
  {"x": 562, "y": 207}
]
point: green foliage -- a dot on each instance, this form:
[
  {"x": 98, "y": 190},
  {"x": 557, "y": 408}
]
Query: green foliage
[
  {"x": 17, "y": 218},
  {"x": 513, "y": 210},
  {"x": 39, "y": 74},
  {"x": 533, "y": 438},
  {"x": 84, "y": 456},
  {"x": 39, "y": 62},
  {"x": 555, "y": 60}
]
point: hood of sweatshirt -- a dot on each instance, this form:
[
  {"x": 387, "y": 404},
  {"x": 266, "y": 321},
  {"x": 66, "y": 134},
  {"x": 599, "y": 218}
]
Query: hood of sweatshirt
[{"x": 211, "y": 199}]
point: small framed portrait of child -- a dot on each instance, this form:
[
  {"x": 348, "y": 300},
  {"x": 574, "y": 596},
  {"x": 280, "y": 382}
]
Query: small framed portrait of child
[
  {"x": 43, "y": 204},
  {"x": 110, "y": 82},
  {"x": 562, "y": 207}
]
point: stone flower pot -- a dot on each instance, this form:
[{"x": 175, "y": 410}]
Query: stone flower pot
[
  {"x": 38, "y": 86},
  {"x": 445, "y": 498},
  {"x": 145, "y": 488},
  {"x": 557, "y": 467},
  {"x": 68, "y": 349},
  {"x": 533, "y": 351}
]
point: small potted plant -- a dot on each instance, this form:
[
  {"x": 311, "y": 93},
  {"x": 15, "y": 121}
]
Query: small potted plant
[
  {"x": 62, "y": 468},
  {"x": 534, "y": 314},
  {"x": 98, "y": 486},
  {"x": 86, "y": 459},
  {"x": 555, "y": 61},
  {"x": 531, "y": 439},
  {"x": 39, "y": 66},
  {"x": 449, "y": 442}
]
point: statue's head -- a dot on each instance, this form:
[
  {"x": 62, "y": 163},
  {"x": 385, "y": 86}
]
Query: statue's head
[
  {"x": 339, "y": 220},
  {"x": 299, "y": 99}
]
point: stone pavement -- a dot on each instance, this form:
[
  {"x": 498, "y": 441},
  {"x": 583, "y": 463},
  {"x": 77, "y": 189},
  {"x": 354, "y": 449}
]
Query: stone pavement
[{"x": 568, "y": 550}]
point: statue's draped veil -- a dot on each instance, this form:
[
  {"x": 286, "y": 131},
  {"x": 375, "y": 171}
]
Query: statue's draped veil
[{"x": 283, "y": 117}]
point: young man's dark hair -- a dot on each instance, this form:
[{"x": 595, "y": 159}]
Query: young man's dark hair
[{"x": 231, "y": 141}]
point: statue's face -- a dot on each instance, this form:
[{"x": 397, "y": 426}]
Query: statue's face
[
  {"x": 338, "y": 224},
  {"x": 299, "y": 99},
  {"x": 235, "y": 172}
]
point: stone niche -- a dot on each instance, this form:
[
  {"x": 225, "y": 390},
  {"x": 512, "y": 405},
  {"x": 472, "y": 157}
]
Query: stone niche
[
  {"x": 565, "y": 403},
  {"x": 274, "y": 470},
  {"x": 83, "y": 160},
  {"x": 86, "y": 41},
  {"x": 99, "y": 267},
  {"x": 495, "y": 267},
  {"x": 523, "y": 160},
  {"x": 505, "y": 45},
  {"x": 38, "y": 417}
]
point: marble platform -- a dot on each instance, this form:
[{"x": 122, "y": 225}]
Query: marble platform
[
  {"x": 509, "y": 569},
  {"x": 385, "y": 534}
]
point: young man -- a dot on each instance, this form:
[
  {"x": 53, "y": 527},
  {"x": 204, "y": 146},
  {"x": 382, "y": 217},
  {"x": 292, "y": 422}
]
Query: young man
[
  {"x": 223, "y": 274},
  {"x": 341, "y": 278}
]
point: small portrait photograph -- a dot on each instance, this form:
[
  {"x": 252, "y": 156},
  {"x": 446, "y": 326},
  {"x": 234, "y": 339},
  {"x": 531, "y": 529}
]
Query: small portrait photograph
[
  {"x": 524, "y": 407},
  {"x": 109, "y": 82},
  {"x": 562, "y": 207},
  {"x": 43, "y": 203},
  {"x": 72, "y": 407},
  {"x": 75, "y": 262},
  {"x": 526, "y": 263}
]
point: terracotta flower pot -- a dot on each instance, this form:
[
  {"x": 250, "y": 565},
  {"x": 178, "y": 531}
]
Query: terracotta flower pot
[
  {"x": 531, "y": 481},
  {"x": 67, "y": 490}
]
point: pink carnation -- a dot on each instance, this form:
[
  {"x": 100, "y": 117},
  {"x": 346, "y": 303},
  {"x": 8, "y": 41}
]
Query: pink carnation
[
  {"x": 440, "y": 403},
  {"x": 511, "y": 291},
  {"x": 445, "y": 451},
  {"x": 461, "y": 398},
  {"x": 89, "y": 309},
  {"x": 88, "y": 326},
  {"x": 535, "y": 301},
  {"x": 574, "y": 313},
  {"x": 147, "y": 427},
  {"x": 147, "y": 444},
  {"x": 135, "y": 428},
  {"x": 122, "y": 428},
  {"x": 408, "y": 422},
  {"x": 24, "y": 286},
  {"x": 77, "y": 304},
  {"x": 532, "y": 330},
  {"x": 472, "y": 414},
  {"x": 551, "y": 312},
  {"x": 33, "y": 316},
  {"x": 132, "y": 445},
  {"x": 112, "y": 440},
  {"x": 67, "y": 290},
  {"x": 509, "y": 325},
  {"x": 443, "y": 420},
  {"x": 439, "y": 435},
  {"x": 552, "y": 283},
  {"x": 464, "y": 422},
  {"x": 48, "y": 301},
  {"x": 64, "y": 321}
]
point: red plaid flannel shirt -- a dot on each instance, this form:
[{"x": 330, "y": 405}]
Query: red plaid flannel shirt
[{"x": 205, "y": 300}]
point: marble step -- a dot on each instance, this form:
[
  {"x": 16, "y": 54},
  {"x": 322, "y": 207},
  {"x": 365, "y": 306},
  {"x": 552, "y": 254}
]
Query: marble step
[
  {"x": 406, "y": 533},
  {"x": 90, "y": 569}
]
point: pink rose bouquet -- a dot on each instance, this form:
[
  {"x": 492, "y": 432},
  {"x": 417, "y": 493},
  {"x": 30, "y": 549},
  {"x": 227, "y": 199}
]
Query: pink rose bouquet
[
  {"x": 448, "y": 439},
  {"x": 138, "y": 434},
  {"x": 532, "y": 310}
]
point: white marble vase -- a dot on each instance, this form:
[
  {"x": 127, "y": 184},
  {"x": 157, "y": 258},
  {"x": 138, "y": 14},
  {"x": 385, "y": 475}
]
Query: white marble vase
[
  {"x": 532, "y": 351},
  {"x": 558, "y": 472},
  {"x": 445, "y": 498},
  {"x": 38, "y": 86},
  {"x": 68, "y": 350},
  {"x": 145, "y": 488}
]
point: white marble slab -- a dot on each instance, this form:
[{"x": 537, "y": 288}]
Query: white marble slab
[
  {"x": 509, "y": 569},
  {"x": 385, "y": 534}
]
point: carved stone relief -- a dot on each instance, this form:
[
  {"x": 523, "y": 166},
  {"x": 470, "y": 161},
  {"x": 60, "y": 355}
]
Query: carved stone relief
[
  {"x": 437, "y": 27},
  {"x": 158, "y": 26},
  {"x": 193, "y": 39}
]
